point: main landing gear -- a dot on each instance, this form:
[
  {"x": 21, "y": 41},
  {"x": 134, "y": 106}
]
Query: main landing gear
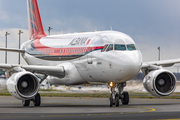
[
  {"x": 36, "y": 101},
  {"x": 114, "y": 98}
]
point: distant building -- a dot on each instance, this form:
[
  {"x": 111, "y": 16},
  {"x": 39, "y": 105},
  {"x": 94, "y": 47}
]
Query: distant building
[{"x": 2, "y": 74}]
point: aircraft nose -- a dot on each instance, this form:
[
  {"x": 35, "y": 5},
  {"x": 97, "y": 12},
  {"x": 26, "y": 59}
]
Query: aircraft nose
[{"x": 134, "y": 62}]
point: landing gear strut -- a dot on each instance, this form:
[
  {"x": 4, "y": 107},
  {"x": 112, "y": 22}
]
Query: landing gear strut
[
  {"x": 114, "y": 97},
  {"x": 36, "y": 101}
]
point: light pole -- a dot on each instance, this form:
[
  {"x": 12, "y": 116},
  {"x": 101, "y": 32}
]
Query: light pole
[
  {"x": 19, "y": 44},
  {"x": 49, "y": 29},
  {"x": 159, "y": 52},
  {"x": 6, "y": 47}
]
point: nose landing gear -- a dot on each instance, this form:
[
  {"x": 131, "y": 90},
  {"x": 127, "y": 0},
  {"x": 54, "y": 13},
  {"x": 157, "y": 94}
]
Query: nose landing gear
[{"x": 114, "y": 97}]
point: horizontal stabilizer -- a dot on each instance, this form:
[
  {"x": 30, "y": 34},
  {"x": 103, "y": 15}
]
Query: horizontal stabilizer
[{"x": 12, "y": 50}]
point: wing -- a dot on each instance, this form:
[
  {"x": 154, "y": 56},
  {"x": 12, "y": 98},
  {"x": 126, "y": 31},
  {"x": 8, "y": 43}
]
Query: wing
[
  {"x": 155, "y": 65},
  {"x": 163, "y": 63},
  {"x": 57, "y": 71},
  {"x": 12, "y": 50}
]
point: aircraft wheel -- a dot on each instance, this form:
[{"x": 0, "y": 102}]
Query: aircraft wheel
[
  {"x": 37, "y": 100},
  {"x": 117, "y": 101},
  {"x": 125, "y": 98},
  {"x": 110, "y": 101},
  {"x": 25, "y": 102}
]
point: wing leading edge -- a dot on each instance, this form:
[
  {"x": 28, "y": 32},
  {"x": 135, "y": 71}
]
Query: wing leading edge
[
  {"x": 163, "y": 63},
  {"x": 12, "y": 50},
  {"x": 57, "y": 71},
  {"x": 155, "y": 65}
]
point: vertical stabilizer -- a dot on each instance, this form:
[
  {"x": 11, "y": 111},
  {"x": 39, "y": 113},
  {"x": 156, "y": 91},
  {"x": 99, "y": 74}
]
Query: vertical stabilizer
[{"x": 36, "y": 29}]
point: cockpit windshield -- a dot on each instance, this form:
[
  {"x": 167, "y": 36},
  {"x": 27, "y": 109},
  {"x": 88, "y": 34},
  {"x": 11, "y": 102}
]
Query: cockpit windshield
[
  {"x": 119, "y": 47},
  {"x": 104, "y": 48},
  {"x": 110, "y": 47},
  {"x": 131, "y": 47}
]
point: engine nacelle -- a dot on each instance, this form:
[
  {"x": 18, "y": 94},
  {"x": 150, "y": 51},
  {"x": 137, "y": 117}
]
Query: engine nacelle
[
  {"x": 160, "y": 82},
  {"x": 23, "y": 85}
]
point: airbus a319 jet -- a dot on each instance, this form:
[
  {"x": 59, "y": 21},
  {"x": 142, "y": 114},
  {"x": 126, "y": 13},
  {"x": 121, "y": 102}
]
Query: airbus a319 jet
[{"x": 106, "y": 57}]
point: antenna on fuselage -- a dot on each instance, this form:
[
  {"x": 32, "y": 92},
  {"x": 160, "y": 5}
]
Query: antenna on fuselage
[
  {"x": 159, "y": 56},
  {"x": 62, "y": 32},
  {"x": 49, "y": 29},
  {"x": 111, "y": 28}
]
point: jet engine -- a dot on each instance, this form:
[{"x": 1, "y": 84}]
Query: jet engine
[
  {"x": 160, "y": 82},
  {"x": 23, "y": 85}
]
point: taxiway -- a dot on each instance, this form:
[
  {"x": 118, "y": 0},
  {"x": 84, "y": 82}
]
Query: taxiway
[{"x": 90, "y": 108}]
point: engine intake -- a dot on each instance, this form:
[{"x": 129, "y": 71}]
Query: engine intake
[
  {"x": 23, "y": 85},
  {"x": 160, "y": 82}
]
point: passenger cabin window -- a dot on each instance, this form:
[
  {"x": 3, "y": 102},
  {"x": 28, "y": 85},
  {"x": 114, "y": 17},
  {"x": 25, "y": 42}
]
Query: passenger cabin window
[
  {"x": 110, "y": 47},
  {"x": 131, "y": 47},
  {"x": 119, "y": 47},
  {"x": 104, "y": 48}
]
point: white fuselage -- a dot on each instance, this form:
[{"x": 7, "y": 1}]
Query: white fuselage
[{"x": 84, "y": 57}]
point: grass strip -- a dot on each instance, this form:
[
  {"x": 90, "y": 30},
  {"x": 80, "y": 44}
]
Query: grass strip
[
  {"x": 102, "y": 95},
  {"x": 50, "y": 93}
]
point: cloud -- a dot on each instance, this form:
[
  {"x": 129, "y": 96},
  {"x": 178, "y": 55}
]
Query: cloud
[
  {"x": 149, "y": 44},
  {"x": 4, "y": 15},
  {"x": 74, "y": 24}
]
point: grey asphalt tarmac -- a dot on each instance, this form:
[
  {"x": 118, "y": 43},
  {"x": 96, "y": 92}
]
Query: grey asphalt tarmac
[{"x": 90, "y": 108}]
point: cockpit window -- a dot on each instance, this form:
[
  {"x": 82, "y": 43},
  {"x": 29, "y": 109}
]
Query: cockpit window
[
  {"x": 110, "y": 47},
  {"x": 104, "y": 48},
  {"x": 119, "y": 47},
  {"x": 131, "y": 47}
]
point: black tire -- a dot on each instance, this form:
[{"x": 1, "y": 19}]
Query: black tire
[
  {"x": 25, "y": 103},
  {"x": 37, "y": 100},
  {"x": 117, "y": 95},
  {"x": 110, "y": 101},
  {"x": 117, "y": 101},
  {"x": 125, "y": 98}
]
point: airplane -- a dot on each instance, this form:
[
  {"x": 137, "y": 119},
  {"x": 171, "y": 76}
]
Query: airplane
[{"x": 104, "y": 57}]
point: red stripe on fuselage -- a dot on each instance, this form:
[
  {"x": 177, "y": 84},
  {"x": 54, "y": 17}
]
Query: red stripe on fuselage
[{"x": 62, "y": 51}]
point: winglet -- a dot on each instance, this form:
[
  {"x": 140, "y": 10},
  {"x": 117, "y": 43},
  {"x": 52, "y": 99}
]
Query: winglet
[{"x": 36, "y": 29}]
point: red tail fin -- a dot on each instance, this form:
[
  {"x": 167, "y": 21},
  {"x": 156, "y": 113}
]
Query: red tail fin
[{"x": 36, "y": 29}]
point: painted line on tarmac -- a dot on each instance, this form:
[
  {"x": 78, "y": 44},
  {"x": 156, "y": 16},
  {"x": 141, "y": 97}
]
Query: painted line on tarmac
[
  {"x": 149, "y": 110},
  {"x": 169, "y": 119},
  {"x": 64, "y": 115}
]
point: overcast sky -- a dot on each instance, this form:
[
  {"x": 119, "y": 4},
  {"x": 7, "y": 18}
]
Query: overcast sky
[{"x": 151, "y": 23}]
